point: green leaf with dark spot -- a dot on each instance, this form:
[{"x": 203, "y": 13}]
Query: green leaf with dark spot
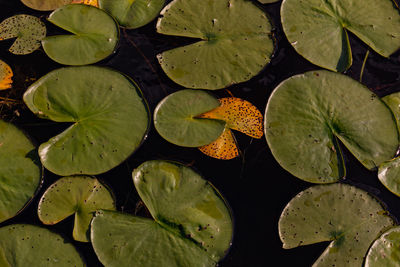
[
  {"x": 347, "y": 217},
  {"x": 385, "y": 251},
  {"x": 45, "y": 5}
]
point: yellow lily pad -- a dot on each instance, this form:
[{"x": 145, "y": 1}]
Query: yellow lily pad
[
  {"x": 6, "y": 75},
  {"x": 224, "y": 147},
  {"x": 86, "y": 2}
]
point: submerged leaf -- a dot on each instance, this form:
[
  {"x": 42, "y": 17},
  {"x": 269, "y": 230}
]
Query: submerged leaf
[
  {"x": 28, "y": 31},
  {"x": 385, "y": 251},
  {"x": 224, "y": 147},
  {"x": 6, "y": 75}
]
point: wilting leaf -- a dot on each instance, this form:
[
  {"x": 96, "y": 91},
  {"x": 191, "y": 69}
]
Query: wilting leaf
[
  {"x": 224, "y": 147},
  {"x": 86, "y": 2},
  {"x": 6, "y": 75},
  {"x": 385, "y": 251}
]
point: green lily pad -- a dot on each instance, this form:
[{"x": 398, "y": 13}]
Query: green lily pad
[
  {"x": 108, "y": 115},
  {"x": 28, "y": 31},
  {"x": 318, "y": 29},
  {"x": 385, "y": 251},
  {"x": 175, "y": 118},
  {"x": 389, "y": 175},
  {"x": 347, "y": 217},
  {"x": 308, "y": 114},
  {"x": 132, "y": 13},
  {"x": 45, "y": 5},
  {"x": 235, "y": 42},
  {"x": 393, "y": 102},
  {"x": 28, "y": 245},
  {"x": 192, "y": 224},
  {"x": 75, "y": 195},
  {"x": 94, "y": 35},
  {"x": 20, "y": 171}
]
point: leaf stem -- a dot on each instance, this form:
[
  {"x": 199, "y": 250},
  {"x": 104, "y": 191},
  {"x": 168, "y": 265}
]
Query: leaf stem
[{"x": 363, "y": 65}]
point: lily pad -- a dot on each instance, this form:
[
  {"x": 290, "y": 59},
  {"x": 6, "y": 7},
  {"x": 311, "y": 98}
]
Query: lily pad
[
  {"x": 6, "y": 75},
  {"x": 175, "y": 118},
  {"x": 28, "y": 245},
  {"x": 224, "y": 147},
  {"x": 20, "y": 171},
  {"x": 393, "y": 102},
  {"x": 108, "y": 115},
  {"x": 192, "y": 225},
  {"x": 308, "y": 114},
  {"x": 80, "y": 196},
  {"x": 45, "y": 5},
  {"x": 87, "y": 2},
  {"x": 318, "y": 29},
  {"x": 389, "y": 175},
  {"x": 347, "y": 217},
  {"x": 385, "y": 251},
  {"x": 94, "y": 35},
  {"x": 132, "y": 13},
  {"x": 235, "y": 42},
  {"x": 28, "y": 31}
]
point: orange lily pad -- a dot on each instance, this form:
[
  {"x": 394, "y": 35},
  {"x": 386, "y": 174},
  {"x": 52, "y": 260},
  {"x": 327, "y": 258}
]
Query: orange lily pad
[
  {"x": 6, "y": 75},
  {"x": 86, "y": 2},
  {"x": 224, "y": 147}
]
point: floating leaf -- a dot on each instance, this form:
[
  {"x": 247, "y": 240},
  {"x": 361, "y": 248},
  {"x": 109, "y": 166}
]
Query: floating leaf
[
  {"x": 389, "y": 175},
  {"x": 318, "y": 29},
  {"x": 75, "y": 195},
  {"x": 393, "y": 102},
  {"x": 45, "y": 5},
  {"x": 87, "y": 2},
  {"x": 349, "y": 218},
  {"x": 224, "y": 147},
  {"x": 192, "y": 225},
  {"x": 20, "y": 174},
  {"x": 108, "y": 115},
  {"x": 28, "y": 245},
  {"x": 307, "y": 114},
  {"x": 28, "y": 31},
  {"x": 94, "y": 35},
  {"x": 6, "y": 75},
  {"x": 132, "y": 13},
  {"x": 235, "y": 42},
  {"x": 175, "y": 118},
  {"x": 385, "y": 251}
]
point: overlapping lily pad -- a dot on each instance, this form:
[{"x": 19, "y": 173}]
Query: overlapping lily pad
[
  {"x": 45, "y": 5},
  {"x": 132, "y": 13},
  {"x": 308, "y": 114},
  {"x": 20, "y": 171},
  {"x": 235, "y": 42},
  {"x": 80, "y": 196},
  {"x": 192, "y": 225},
  {"x": 318, "y": 30},
  {"x": 27, "y": 30},
  {"x": 108, "y": 115},
  {"x": 94, "y": 35},
  {"x": 389, "y": 175},
  {"x": 27, "y": 245},
  {"x": 349, "y": 218},
  {"x": 385, "y": 251},
  {"x": 6, "y": 75}
]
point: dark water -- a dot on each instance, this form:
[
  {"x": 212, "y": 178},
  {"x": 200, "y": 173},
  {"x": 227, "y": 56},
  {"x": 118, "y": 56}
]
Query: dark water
[{"x": 256, "y": 187}]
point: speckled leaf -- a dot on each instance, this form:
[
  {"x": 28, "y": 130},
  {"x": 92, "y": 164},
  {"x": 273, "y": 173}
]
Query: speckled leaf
[
  {"x": 347, "y": 217},
  {"x": 24, "y": 245},
  {"x": 235, "y": 42},
  {"x": 385, "y": 251},
  {"x": 75, "y": 195},
  {"x": 20, "y": 171},
  {"x": 108, "y": 115},
  {"x": 45, "y": 5},
  {"x": 94, "y": 35},
  {"x": 6, "y": 75},
  {"x": 224, "y": 147},
  {"x": 132, "y": 13},
  {"x": 175, "y": 118},
  {"x": 28, "y": 31},
  {"x": 389, "y": 175},
  {"x": 318, "y": 29},
  {"x": 307, "y": 114}
]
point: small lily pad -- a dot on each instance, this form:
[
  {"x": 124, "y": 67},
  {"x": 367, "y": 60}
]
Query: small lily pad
[
  {"x": 192, "y": 224},
  {"x": 132, "y": 13},
  {"x": 109, "y": 118},
  {"x": 80, "y": 196},
  {"x": 20, "y": 171},
  {"x": 385, "y": 251},
  {"x": 6, "y": 75},
  {"x": 28, "y": 31},
  {"x": 94, "y": 35},
  {"x": 235, "y": 42},
  {"x": 28, "y": 245},
  {"x": 308, "y": 114},
  {"x": 318, "y": 29},
  {"x": 347, "y": 217}
]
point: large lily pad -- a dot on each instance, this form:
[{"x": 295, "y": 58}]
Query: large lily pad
[
  {"x": 28, "y": 245},
  {"x": 45, "y": 5},
  {"x": 27, "y": 30},
  {"x": 132, "y": 13},
  {"x": 318, "y": 29},
  {"x": 307, "y": 114},
  {"x": 94, "y": 35},
  {"x": 175, "y": 118},
  {"x": 385, "y": 251},
  {"x": 20, "y": 171},
  {"x": 192, "y": 225},
  {"x": 75, "y": 195},
  {"x": 109, "y": 118},
  {"x": 349, "y": 218},
  {"x": 235, "y": 42}
]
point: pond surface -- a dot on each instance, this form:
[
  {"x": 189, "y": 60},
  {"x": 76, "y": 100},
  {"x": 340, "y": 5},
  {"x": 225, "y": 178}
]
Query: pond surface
[{"x": 255, "y": 186}]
